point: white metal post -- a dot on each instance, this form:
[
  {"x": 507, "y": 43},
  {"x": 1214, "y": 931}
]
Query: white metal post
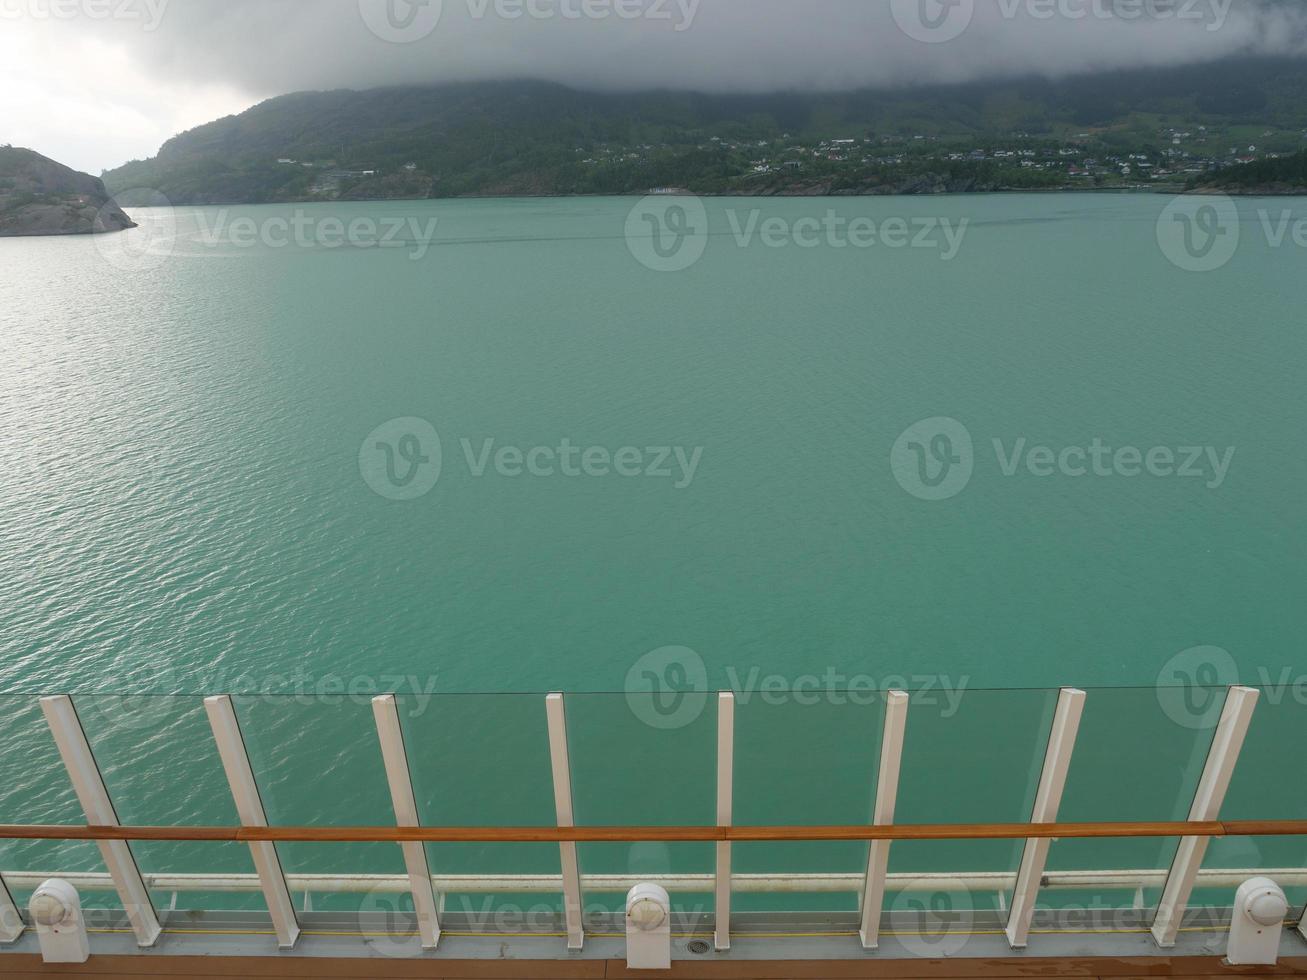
[
  {"x": 887, "y": 794},
  {"x": 1048, "y": 799},
  {"x": 386, "y": 712},
  {"x": 725, "y": 815},
  {"x": 11, "y": 923},
  {"x": 562, "y": 771},
  {"x": 1226, "y": 745},
  {"x": 89, "y": 786},
  {"x": 249, "y": 807}
]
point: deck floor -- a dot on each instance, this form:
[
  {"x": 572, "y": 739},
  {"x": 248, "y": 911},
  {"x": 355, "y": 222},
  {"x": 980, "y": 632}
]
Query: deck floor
[{"x": 24, "y": 966}]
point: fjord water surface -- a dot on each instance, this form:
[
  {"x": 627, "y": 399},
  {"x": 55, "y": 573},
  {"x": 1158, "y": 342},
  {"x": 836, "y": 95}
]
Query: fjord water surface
[{"x": 183, "y": 508}]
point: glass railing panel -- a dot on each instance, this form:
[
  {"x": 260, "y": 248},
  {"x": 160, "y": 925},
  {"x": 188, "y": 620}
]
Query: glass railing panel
[
  {"x": 160, "y": 764},
  {"x": 35, "y": 789},
  {"x": 969, "y": 757},
  {"x": 483, "y": 761},
  {"x": 644, "y": 760},
  {"x": 805, "y": 757},
  {"x": 317, "y": 761},
  {"x": 1139, "y": 757},
  {"x": 1264, "y": 788}
]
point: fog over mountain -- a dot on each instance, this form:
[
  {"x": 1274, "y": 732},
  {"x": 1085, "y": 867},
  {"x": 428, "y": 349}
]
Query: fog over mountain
[
  {"x": 236, "y": 52},
  {"x": 275, "y": 46}
]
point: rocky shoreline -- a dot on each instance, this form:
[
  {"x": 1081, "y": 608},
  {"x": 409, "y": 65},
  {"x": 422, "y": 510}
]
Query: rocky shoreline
[
  {"x": 915, "y": 188},
  {"x": 39, "y": 197},
  {"x": 1257, "y": 190}
]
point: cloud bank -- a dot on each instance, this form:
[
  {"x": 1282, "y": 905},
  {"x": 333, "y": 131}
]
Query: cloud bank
[
  {"x": 274, "y": 46},
  {"x": 186, "y": 57}
]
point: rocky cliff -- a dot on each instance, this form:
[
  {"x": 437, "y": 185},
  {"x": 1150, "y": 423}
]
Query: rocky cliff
[{"x": 41, "y": 197}]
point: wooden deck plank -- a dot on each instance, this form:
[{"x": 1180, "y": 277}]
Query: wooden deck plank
[
  {"x": 1007, "y": 968},
  {"x": 309, "y": 968},
  {"x": 29, "y": 967}
]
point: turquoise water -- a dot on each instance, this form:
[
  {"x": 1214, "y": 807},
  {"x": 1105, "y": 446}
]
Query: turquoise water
[{"x": 194, "y": 498}]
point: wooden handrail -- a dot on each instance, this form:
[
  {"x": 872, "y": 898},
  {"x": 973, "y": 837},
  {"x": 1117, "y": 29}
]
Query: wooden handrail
[{"x": 523, "y": 835}]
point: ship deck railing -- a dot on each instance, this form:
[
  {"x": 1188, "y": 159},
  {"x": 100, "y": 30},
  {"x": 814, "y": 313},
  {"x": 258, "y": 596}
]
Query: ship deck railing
[{"x": 1017, "y": 918}]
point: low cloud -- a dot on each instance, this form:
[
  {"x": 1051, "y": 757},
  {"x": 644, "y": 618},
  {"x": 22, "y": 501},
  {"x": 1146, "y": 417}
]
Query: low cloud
[
  {"x": 274, "y": 46},
  {"x": 198, "y": 56}
]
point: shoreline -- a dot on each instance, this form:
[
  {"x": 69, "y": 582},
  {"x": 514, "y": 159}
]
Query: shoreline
[
  {"x": 1269, "y": 190},
  {"x": 1170, "y": 190},
  {"x": 638, "y": 195}
]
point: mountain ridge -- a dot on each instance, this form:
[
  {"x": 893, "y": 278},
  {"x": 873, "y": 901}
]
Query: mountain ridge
[{"x": 527, "y": 137}]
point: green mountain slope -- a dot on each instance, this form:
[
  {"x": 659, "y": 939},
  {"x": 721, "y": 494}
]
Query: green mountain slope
[
  {"x": 538, "y": 138},
  {"x": 1285, "y": 175}
]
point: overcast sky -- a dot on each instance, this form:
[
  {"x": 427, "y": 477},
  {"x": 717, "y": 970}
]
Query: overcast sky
[{"x": 97, "y": 82}]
